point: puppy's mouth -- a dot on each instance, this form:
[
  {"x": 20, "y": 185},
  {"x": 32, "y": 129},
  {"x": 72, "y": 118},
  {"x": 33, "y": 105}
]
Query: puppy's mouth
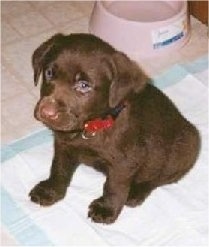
[{"x": 56, "y": 118}]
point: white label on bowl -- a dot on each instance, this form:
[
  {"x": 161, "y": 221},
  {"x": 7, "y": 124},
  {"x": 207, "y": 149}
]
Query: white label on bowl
[{"x": 169, "y": 34}]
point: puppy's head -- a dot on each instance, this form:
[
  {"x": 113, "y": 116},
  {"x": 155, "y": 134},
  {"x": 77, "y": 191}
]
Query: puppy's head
[{"x": 82, "y": 77}]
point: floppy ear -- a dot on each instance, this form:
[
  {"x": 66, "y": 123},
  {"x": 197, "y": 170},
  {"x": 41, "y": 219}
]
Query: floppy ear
[
  {"x": 39, "y": 55},
  {"x": 127, "y": 78}
]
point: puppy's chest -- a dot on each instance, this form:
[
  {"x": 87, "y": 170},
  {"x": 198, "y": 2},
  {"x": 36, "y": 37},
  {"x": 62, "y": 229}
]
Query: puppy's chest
[{"x": 107, "y": 144}]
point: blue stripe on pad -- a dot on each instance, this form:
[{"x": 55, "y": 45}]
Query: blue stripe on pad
[
  {"x": 197, "y": 66},
  {"x": 19, "y": 224},
  {"x": 37, "y": 138},
  {"x": 168, "y": 78},
  {"x": 179, "y": 71}
]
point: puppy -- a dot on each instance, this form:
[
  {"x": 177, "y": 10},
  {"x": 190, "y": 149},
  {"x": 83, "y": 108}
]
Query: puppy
[{"x": 105, "y": 113}]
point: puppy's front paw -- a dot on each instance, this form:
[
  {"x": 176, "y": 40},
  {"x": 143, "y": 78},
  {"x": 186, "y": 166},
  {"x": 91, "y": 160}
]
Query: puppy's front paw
[
  {"x": 100, "y": 212},
  {"x": 46, "y": 194}
]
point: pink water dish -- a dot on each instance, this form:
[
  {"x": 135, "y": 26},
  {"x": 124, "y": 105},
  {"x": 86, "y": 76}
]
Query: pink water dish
[{"x": 141, "y": 28}]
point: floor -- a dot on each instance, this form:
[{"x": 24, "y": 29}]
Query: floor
[{"x": 25, "y": 25}]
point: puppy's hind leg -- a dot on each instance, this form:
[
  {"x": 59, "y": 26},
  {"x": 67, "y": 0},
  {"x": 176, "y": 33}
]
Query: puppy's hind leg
[{"x": 182, "y": 157}]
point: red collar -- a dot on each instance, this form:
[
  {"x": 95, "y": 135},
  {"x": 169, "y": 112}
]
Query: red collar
[{"x": 93, "y": 126}]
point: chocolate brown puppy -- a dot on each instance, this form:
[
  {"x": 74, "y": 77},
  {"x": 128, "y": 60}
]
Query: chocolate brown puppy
[{"x": 105, "y": 112}]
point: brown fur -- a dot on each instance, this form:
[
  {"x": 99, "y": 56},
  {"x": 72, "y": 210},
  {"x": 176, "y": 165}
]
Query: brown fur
[{"x": 149, "y": 145}]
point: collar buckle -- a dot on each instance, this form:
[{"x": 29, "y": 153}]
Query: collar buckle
[{"x": 87, "y": 135}]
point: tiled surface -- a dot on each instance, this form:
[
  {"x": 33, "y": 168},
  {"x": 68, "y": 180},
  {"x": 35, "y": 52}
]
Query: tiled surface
[{"x": 25, "y": 25}]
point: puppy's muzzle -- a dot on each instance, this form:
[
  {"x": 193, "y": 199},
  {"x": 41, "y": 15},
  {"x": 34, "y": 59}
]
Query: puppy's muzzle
[
  {"x": 46, "y": 110},
  {"x": 55, "y": 114}
]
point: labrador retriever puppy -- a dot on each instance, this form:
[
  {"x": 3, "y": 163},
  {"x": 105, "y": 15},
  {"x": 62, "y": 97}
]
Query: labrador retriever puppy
[{"x": 105, "y": 112}]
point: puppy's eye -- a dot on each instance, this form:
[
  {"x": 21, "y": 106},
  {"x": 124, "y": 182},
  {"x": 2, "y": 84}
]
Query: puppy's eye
[
  {"x": 82, "y": 86},
  {"x": 49, "y": 74}
]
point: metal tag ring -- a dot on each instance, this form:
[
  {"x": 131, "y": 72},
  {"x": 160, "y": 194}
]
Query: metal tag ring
[{"x": 86, "y": 135}]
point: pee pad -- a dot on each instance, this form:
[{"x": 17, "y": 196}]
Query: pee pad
[{"x": 173, "y": 215}]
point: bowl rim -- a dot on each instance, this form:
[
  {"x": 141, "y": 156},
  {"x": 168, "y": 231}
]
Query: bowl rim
[{"x": 173, "y": 18}]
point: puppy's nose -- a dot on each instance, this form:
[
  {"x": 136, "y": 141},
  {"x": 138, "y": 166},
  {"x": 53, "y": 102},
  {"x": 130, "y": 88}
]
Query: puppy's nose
[{"x": 49, "y": 111}]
